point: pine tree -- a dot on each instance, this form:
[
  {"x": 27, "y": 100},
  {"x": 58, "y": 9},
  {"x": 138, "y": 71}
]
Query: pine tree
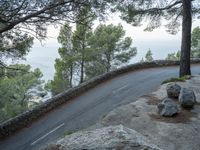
[
  {"x": 195, "y": 36},
  {"x": 148, "y": 56},
  {"x": 142, "y": 60},
  {"x": 172, "y": 11},
  {"x": 110, "y": 49},
  {"x": 173, "y": 56},
  {"x": 18, "y": 88},
  {"x": 80, "y": 39},
  {"x": 195, "y": 43},
  {"x": 70, "y": 67}
]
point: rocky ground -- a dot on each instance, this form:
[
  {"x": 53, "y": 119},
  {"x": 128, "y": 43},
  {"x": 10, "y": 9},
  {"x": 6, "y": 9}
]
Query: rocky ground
[{"x": 138, "y": 126}]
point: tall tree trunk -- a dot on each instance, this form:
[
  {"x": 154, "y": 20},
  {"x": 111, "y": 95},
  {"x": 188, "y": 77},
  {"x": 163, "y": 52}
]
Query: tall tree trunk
[
  {"x": 82, "y": 71},
  {"x": 71, "y": 76},
  {"x": 186, "y": 38},
  {"x": 83, "y": 58}
]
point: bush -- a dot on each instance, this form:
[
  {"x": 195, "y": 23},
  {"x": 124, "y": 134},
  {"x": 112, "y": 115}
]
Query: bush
[{"x": 181, "y": 79}]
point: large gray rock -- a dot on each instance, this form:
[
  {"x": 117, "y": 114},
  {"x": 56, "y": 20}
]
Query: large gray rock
[
  {"x": 173, "y": 90},
  {"x": 107, "y": 138},
  {"x": 167, "y": 108},
  {"x": 187, "y": 98}
]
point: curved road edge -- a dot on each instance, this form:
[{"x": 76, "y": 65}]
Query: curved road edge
[{"x": 14, "y": 124}]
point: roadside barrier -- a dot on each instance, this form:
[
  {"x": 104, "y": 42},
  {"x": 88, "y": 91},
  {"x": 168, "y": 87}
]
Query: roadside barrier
[{"x": 23, "y": 120}]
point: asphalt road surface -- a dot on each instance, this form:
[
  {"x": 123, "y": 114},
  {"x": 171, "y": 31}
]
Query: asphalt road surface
[{"x": 88, "y": 108}]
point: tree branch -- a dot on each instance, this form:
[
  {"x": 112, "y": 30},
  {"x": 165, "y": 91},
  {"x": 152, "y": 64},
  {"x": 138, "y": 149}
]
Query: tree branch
[
  {"x": 49, "y": 7},
  {"x": 158, "y": 9},
  {"x": 4, "y": 66}
]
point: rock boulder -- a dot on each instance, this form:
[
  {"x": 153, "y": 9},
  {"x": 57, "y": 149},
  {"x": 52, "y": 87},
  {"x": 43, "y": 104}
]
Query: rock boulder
[
  {"x": 173, "y": 90},
  {"x": 187, "y": 98},
  {"x": 167, "y": 108},
  {"x": 107, "y": 138}
]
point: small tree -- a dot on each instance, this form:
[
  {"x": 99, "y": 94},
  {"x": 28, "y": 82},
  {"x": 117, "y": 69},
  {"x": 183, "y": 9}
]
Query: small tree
[
  {"x": 148, "y": 56},
  {"x": 173, "y": 56},
  {"x": 142, "y": 60}
]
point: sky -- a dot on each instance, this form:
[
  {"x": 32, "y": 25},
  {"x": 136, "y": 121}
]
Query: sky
[{"x": 160, "y": 42}]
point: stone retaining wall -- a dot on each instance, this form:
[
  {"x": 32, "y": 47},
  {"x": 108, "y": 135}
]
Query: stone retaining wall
[{"x": 12, "y": 125}]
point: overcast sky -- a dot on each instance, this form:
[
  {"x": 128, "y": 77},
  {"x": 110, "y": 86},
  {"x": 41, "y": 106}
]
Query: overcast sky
[{"x": 159, "y": 41}]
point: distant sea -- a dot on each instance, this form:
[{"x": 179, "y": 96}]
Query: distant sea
[{"x": 43, "y": 57}]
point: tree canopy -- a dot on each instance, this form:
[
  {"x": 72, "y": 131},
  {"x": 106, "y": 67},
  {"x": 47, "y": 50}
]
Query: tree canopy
[
  {"x": 85, "y": 54},
  {"x": 23, "y": 20},
  {"x": 14, "y": 45},
  {"x": 137, "y": 12},
  {"x": 195, "y": 36},
  {"x": 196, "y": 42},
  {"x": 18, "y": 89},
  {"x": 74, "y": 53},
  {"x": 111, "y": 49},
  {"x": 36, "y": 14}
]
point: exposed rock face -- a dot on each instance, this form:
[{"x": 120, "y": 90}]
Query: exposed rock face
[
  {"x": 173, "y": 90},
  {"x": 168, "y": 133},
  {"x": 140, "y": 120},
  {"x": 167, "y": 108},
  {"x": 107, "y": 138},
  {"x": 187, "y": 98}
]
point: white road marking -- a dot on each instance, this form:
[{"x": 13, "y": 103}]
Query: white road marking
[
  {"x": 39, "y": 139},
  {"x": 117, "y": 90}
]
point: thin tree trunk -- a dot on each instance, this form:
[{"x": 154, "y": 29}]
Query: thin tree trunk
[
  {"x": 108, "y": 63},
  {"x": 82, "y": 71},
  {"x": 83, "y": 59},
  {"x": 71, "y": 76},
  {"x": 186, "y": 39}
]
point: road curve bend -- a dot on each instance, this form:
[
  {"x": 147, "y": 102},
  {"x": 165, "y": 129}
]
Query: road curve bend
[{"x": 86, "y": 109}]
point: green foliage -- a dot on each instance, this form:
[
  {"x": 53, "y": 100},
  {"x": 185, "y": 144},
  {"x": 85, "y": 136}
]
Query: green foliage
[
  {"x": 14, "y": 45},
  {"x": 21, "y": 20},
  {"x": 195, "y": 43},
  {"x": 153, "y": 13},
  {"x": 35, "y": 16},
  {"x": 61, "y": 79},
  {"x": 196, "y": 51},
  {"x": 180, "y": 79},
  {"x": 195, "y": 36},
  {"x": 17, "y": 89},
  {"x": 74, "y": 53},
  {"x": 110, "y": 49},
  {"x": 173, "y": 56},
  {"x": 85, "y": 54},
  {"x": 66, "y": 133},
  {"x": 148, "y": 56},
  {"x": 81, "y": 40}
]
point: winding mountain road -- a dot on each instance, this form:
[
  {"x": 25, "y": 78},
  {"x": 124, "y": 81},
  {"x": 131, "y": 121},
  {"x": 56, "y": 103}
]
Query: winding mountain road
[{"x": 88, "y": 108}]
